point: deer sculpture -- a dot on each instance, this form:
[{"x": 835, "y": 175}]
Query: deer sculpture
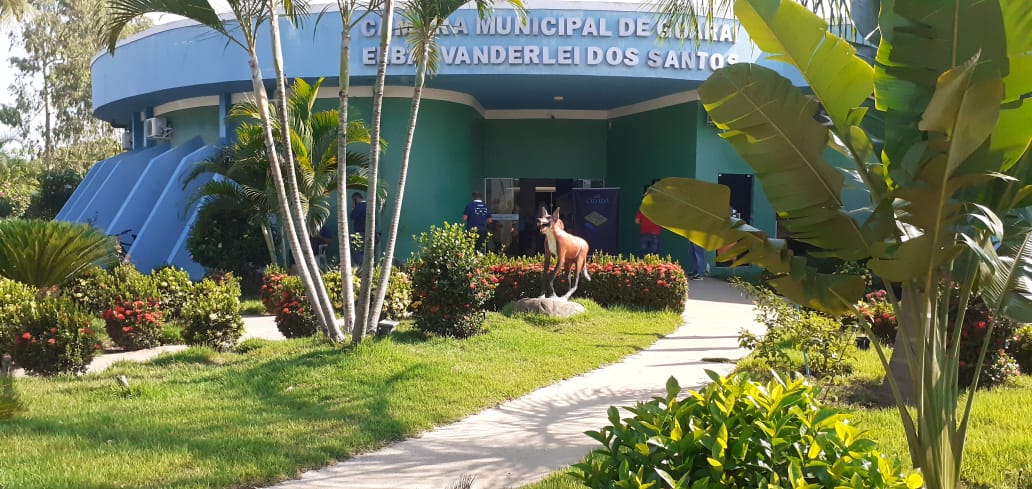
[{"x": 568, "y": 250}]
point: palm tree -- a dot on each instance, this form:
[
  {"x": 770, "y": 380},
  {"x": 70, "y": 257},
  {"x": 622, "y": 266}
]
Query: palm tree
[
  {"x": 44, "y": 254},
  {"x": 362, "y": 315},
  {"x": 949, "y": 215},
  {"x": 249, "y": 15},
  {"x": 245, "y": 164},
  {"x": 426, "y": 20}
]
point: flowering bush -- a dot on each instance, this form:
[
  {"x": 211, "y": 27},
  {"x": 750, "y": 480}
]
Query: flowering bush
[
  {"x": 271, "y": 289},
  {"x": 1021, "y": 349},
  {"x": 998, "y": 366},
  {"x": 451, "y": 282},
  {"x": 51, "y": 336},
  {"x": 93, "y": 290},
  {"x": 212, "y": 315},
  {"x": 878, "y": 313},
  {"x": 174, "y": 289},
  {"x": 13, "y": 295},
  {"x": 294, "y": 315},
  {"x": 649, "y": 283},
  {"x": 134, "y": 324}
]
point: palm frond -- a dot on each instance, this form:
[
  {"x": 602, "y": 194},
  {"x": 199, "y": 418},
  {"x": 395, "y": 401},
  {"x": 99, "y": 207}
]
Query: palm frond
[{"x": 120, "y": 13}]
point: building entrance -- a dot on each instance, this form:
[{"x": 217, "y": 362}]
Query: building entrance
[{"x": 515, "y": 203}]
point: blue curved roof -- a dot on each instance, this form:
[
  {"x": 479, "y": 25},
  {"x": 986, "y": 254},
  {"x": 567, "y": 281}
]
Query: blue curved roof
[{"x": 562, "y": 58}]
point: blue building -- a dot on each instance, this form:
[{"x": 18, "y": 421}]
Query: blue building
[{"x": 582, "y": 95}]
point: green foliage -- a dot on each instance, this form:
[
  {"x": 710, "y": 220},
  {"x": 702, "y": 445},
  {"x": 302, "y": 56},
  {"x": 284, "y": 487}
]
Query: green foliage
[
  {"x": 224, "y": 237},
  {"x": 17, "y": 183},
  {"x": 13, "y": 295},
  {"x": 55, "y": 188},
  {"x": 51, "y": 336},
  {"x": 48, "y": 253},
  {"x": 212, "y": 315},
  {"x": 451, "y": 282},
  {"x": 824, "y": 343},
  {"x": 649, "y": 283},
  {"x": 879, "y": 314},
  {"x": 134, "y": 324},
  {"x": 269, "y": 293},
  {"x": 93, "y": 289},
  {"x": 1021, "y": 349},
  {"x": 294, "y": 315},
  {"x": 997, "y": 366},
  {"x": 174, "y": 288},
  {"x": 736, "y": 433}
]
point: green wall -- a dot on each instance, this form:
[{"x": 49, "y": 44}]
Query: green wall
[
  {"x": 544, "y": 148},
  {"x": 198, "y": 121},
  {"x": 644, "y": 147}
]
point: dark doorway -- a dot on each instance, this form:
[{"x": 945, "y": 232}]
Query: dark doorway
[{"x": 741, "y": 193}]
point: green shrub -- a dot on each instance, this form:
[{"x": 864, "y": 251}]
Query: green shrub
[
  {"x": 1021, "y": 349},
  {"x": 878, "y": 313},
  {"x": 174, "y": 289},
  {"x": 294, "y": 315},
  {"x": 46, "y": 254},
  {"x": 998, "y": 366},
  {"x": 55, "y": 188},
  {"x": 93, "y": 290},
  {"x": 134, "y": 324},
  {"x": 825, "y": 345},
  {"x": 737, "y": 434},
  {"x": 172, "y": 333},
  {"x": 13, "y": 295},
  {"x": 52, "y": 336},
  {"x": 225, "y": 237},
  {"x": 451, "y": 282},
  {"x": 648, "y": 283},
  {"x": 271, "y": 291},
  {"x": 212, "y": 315}
]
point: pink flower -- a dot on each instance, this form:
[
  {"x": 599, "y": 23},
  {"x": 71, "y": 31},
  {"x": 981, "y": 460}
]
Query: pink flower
[
  {"x": 27, "y": 335},
  {"x": 51, "y": 341}
]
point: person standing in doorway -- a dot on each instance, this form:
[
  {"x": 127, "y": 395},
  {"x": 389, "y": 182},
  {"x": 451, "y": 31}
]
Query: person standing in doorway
[
  {"x": 648, "y": 234},
  {"x": 477, "y": 216}
]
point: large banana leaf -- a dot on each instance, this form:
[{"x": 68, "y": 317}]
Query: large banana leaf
[
  {"x": 701, "y": 212},
  {"x": 921, "y": 40},
  {"x": 1014, "y": 132},
  {"x": 1008, "y": 285},
  {"x": 789, "y": 32},
  {"x": 770, "y": 124}
]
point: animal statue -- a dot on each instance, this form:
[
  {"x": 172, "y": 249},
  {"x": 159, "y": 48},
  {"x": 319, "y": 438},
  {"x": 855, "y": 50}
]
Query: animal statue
[{"x": 568, "y": 250}]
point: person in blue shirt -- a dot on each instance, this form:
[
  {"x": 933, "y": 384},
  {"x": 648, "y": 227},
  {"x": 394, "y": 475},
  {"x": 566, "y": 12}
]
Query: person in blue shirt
[
  {"x": 477, "y": 216},
  {"x": 358, "y": 215}
]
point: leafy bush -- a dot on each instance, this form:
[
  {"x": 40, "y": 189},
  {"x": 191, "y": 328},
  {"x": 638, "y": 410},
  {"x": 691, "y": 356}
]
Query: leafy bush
[
  {"x": 294, "y": 315},
  {"x": 13, "y": 295},
  {"x": 825, "y": 345},
  {"x": 55, "y": 188},
  {"x": 45, "y": 254},
  {"x": 174, "y": 289},
  {"x": 450, "y": 281},
  {"x": 998, "y": 366},
  {"x": 134, "y": 324},
  {"x": 93, "y": 290},
  {"x": 878, "y": 313},
  {"x": 52, "y": 336},
  {"x": 735, "y": 434},
  {"x": 224, "y": 238},
  {"x": 650, "y": 282},
  {"x": 1021, "y": 349},
  {"x": 212, "y": 315},
  {"x": 270, "y": 291}
]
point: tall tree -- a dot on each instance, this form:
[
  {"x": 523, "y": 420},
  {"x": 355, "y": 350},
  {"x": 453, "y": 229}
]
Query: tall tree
[
  {"x": 426, "y": 20},
  {"x": 52, "y": 87},
  {"x": 249, "y": 15}
]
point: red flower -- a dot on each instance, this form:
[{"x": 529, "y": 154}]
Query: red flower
[
  {"x": 96, "y": 346},
  {"x": 120, "y": 317},
  {"x": 119, "y": 309},
  {"x": 51, "y": 341},
  {"x": 980, "y": 325},
  {"x": 53, "y": 330},
  {"x": 27, "y": 335},
  {"x": 126, "y": 329}
]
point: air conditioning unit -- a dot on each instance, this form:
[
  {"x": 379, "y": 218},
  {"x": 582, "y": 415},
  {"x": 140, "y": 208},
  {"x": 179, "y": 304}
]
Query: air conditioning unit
[
  {"x": 127, "y": 140},
  {"x": 156, "y": 128}
]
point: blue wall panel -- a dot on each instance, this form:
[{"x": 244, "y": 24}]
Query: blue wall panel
[
  {"x": 106, "y": 197},
  {"x": 141, "y": 199},
  {"x": 84, "y": 192},
  {"x": 161, "y": 231}
]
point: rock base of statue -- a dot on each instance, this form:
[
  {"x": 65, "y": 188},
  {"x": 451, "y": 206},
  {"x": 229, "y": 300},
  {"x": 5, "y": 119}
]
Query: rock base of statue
[{"x": 556, "y": 307}]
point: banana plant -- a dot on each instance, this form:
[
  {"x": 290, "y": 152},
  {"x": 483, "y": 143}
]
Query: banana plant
[{"x": 948, "y": 215}]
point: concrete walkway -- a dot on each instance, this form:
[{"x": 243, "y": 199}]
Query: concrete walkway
[{"x": 526, "y": 439}]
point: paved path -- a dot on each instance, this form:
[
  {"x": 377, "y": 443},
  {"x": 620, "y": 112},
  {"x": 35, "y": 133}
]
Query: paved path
[{"x": 524, "y": 440}]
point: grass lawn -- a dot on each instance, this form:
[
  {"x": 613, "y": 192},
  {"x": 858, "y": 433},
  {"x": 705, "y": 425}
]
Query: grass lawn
[
  {"x": 998, "y": 452},
  {"x": 200, "y": 419},
  {"x": 251, "y": 307}
]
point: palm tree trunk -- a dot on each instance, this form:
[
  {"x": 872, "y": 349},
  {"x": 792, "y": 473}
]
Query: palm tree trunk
[
  {"x": 321, "y": 299},
  {"x": 392, "y": 233},
  {"x": 344, "y": 240},
  {"x": 290, "y": 234},
  {"x": 270, "y": 244},
  {"x": 386, "y": 25}
]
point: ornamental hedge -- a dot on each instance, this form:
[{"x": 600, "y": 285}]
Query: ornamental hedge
[{"x": 650, "y": 283}]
